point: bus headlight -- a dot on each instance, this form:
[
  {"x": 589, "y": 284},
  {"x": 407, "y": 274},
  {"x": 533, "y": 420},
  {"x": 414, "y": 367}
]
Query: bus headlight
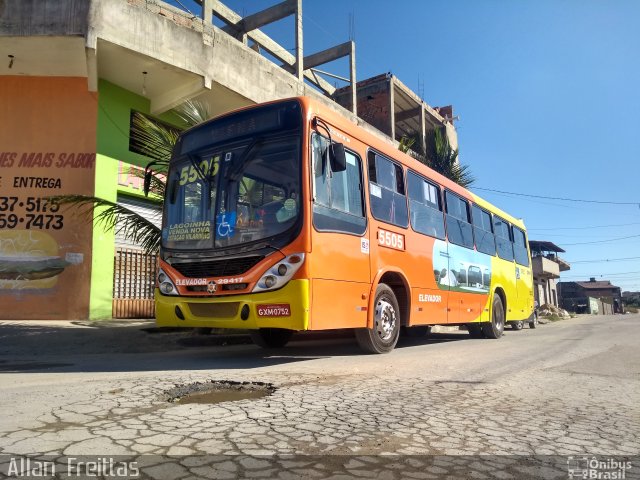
[
  {"x": 165, "y": 285},
  {"x": 279, "y": 275}
]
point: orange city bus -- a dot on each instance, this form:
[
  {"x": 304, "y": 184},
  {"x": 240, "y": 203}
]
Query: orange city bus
[{"x": 286, "y": 216}]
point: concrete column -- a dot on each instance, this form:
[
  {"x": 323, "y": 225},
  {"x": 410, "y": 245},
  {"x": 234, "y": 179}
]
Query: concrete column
[
  {"x": 299, "y": 50},
  {"x": 392, "y": 108},
  {"x": 352, "y": 77},
  {"x": 207, "y": 11},
  {"x": 423, "y": 130}
]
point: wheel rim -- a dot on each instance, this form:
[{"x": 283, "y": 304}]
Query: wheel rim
[
  {"x": 386, "y": 319},
  {"x": 499, "y": 319}
]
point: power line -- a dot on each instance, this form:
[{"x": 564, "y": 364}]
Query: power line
[
  {"x": 582, "y": 236},
  {"x": 605, "y": 260},
  {"x": 600, "y": 241},
  {"x": 541, "y": 202},
  {"x": 557, "y": 198},
  {"x": 586, "y": 228},
  {"x": 602, "y": 275}
]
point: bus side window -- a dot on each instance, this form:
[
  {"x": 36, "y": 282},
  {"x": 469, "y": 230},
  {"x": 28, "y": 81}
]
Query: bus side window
[
  {"x": 459, "y": 230},
  {"x": 503, "y": 238},
  {"x": 386, "y": 191},
  {"x": 338, "y": 204},
  {"x": 483, "y": 231},
  {"x": 425, "y": 206},
  {"x": 520, "y": 247}
]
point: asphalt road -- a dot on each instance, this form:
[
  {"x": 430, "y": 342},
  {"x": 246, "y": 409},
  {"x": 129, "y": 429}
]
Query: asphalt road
[{"x": 570, "y": 388}]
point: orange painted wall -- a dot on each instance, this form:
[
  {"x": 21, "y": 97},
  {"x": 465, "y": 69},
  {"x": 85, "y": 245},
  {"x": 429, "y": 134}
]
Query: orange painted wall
[{"x": 47, "y": 147}]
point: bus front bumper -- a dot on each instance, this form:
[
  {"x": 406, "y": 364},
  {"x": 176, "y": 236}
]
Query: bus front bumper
[{"x": 287, "y": 307}]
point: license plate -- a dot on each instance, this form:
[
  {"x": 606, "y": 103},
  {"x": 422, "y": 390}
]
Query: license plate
[{"x": 274, "y": 310}]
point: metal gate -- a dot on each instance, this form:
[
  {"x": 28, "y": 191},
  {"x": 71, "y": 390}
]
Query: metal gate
[{"x": 133, "y": 284}]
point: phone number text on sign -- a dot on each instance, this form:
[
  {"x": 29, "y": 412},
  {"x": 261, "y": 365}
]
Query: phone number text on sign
[
  {"x": 390, "y": 240},
  {"x": 41, "y": 213}
]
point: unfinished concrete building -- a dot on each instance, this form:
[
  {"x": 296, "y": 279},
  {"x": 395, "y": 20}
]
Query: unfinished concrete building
[{"x": 389, "y": 105}]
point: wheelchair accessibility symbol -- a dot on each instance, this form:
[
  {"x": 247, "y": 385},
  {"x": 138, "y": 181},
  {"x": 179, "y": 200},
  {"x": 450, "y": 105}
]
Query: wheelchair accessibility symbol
[{"x": 226, "y": 224}]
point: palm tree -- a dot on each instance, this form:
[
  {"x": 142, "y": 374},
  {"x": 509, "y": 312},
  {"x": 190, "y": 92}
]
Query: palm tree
[
  {"x": 444, "y": 159},
  {"x": 439, "y": 156},
  {"x": 156, "y": 141}
]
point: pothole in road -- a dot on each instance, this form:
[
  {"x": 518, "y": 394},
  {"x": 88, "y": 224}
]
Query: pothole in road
[{"x": 218, "y": 392}]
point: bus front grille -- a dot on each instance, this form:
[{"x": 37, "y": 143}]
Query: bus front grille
[
  {"x": 215, "y": 310},
  {"x": 217, "y": 268}
]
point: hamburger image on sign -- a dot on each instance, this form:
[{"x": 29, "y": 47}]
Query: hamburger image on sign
[{"x": 29, "y": 259}]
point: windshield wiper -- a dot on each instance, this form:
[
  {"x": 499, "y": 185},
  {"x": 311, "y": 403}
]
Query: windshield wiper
[
  {"x": 233, "y": 174},
  {"x": 194, "y": 163},
  {"x": 268, "y": 245}
]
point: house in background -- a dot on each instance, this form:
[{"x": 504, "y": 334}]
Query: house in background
[
  {"x": 631, "y": 298},
  {"x": 546, "y": 266},
  {"x": 596, "y": 297}
]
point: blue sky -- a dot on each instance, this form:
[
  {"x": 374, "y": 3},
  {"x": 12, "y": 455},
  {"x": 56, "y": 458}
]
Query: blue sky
[{"x": 548, "y": 97}]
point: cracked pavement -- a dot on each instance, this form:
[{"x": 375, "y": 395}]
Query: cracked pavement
[{"x": 567, "y": 388}]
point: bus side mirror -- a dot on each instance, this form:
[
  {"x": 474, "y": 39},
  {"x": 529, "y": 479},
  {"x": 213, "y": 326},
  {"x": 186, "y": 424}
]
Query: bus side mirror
[{"x": 337, "y": 157}]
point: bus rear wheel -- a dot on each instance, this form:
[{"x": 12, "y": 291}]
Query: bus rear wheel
[
  {"x": 382, "y": 338},
  {"x": 271, "y": 337},
  {"x": 495, "y": 327},
  {"x": 534, "y": 320},
  {"x": 417, "y": 331},
  {"x": 475, "y": 330},
  {"x": 517, "y": 325}
]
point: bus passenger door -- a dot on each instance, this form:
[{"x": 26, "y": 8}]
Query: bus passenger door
[
  {"x": 339, "y": 261},
  {"x": 524, "y": 277}
]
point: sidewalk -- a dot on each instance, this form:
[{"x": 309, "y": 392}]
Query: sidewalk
[{"x": 44, "y": 337}]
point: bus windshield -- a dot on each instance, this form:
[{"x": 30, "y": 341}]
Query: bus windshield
[{"x": 234, "y": 194}]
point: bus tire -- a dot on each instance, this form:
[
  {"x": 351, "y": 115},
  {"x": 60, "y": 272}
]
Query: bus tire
[
  {"x": 382, "y": 338},
  {"x": 271, "y": 337},
  {"x": 495, "y": 328},
  {"x": 534, "y": 321},
  {"x": 417, "y": 331},
  {"x": 475, "y": 330},
  {"x": 517, "y": 325}
]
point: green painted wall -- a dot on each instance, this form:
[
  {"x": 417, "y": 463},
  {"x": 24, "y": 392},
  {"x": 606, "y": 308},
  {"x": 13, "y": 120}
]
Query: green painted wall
[
  {"x": 101, "y": 296},
  {"x": 114, "y": 111}
]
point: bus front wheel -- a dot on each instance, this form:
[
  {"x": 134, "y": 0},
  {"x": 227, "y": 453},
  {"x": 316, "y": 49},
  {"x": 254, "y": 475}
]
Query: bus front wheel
[
  {"x": 495, "y": 327},
  {"x": 382, "y": 338},
  {"x": 271, "y": 337}
]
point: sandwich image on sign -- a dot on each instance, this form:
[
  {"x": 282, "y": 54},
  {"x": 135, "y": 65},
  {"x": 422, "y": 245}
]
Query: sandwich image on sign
[{"x": 29, "y": 259}]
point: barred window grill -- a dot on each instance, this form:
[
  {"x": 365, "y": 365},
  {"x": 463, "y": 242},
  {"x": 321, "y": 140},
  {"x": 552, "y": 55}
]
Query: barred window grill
[{"x": 133, "y": 283}]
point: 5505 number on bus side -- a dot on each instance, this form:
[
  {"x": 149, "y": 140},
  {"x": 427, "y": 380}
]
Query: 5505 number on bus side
[{"x": 390, "y": 239}]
